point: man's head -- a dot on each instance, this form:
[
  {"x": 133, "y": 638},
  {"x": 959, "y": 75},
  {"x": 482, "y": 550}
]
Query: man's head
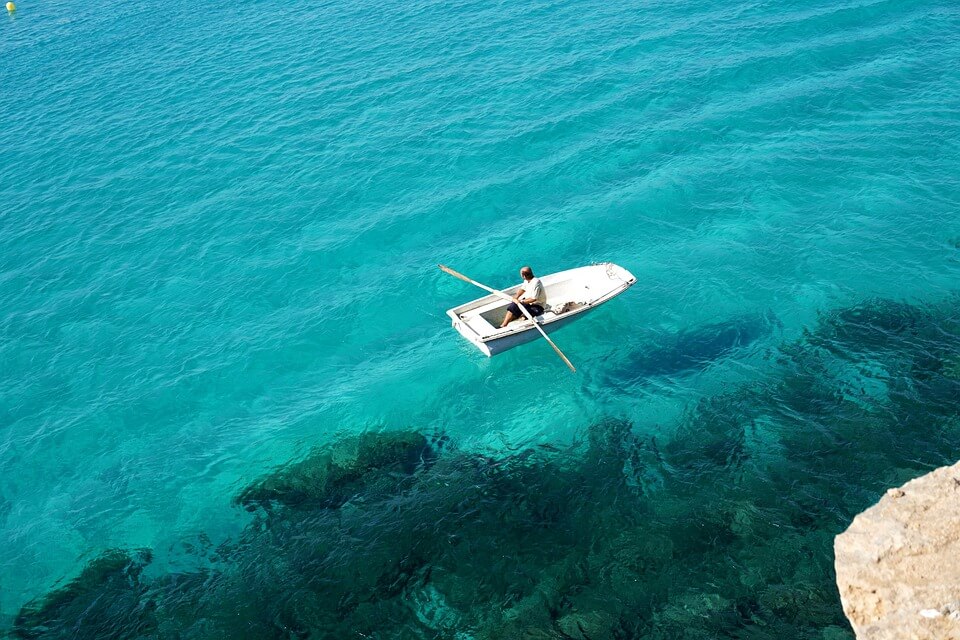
[{"x": 526, "y": 273}]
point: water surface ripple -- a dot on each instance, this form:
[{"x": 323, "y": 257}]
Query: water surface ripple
[{"x": 218, "y": 241}]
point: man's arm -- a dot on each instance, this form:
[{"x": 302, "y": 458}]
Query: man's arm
[
  {"x": 531, "y": 300},
  {"x": 524, "y": 300}
]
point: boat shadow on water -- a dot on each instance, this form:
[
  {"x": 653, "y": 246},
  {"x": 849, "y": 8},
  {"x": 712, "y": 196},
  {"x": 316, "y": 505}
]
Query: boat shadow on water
[
  {"x": 724, "y": 529},
  {"x": 693, "y": 349}
]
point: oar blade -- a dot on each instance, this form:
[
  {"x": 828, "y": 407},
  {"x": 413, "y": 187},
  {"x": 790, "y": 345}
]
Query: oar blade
[{"x": 548, "y": 339}]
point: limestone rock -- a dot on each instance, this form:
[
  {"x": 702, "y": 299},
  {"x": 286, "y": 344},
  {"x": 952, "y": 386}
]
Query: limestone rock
[{"x": 898, "y": 564}]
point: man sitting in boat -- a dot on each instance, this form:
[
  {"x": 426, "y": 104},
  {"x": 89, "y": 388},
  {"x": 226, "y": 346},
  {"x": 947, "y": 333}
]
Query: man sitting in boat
[{"x": 530, "y": 294}]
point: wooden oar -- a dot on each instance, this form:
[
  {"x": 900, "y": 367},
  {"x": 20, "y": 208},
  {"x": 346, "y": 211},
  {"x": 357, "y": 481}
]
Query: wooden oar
[{"x": 501, "y": 294}]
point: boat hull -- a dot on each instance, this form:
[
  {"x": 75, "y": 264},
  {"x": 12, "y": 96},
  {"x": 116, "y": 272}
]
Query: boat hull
[
  {"x": 499, "y": 345},
  {"x": 473, "y": 319}
]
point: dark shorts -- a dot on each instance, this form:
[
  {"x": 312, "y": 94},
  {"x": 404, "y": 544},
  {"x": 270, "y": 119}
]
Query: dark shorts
[{"x": 534, "y": 309}]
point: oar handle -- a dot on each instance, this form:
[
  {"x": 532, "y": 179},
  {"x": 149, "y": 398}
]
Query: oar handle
[{"x": 457, "y": 274}]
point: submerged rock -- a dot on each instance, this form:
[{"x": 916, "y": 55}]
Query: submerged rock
[
  {"x": 330, "y": 476},
  {"x": 593, "y": 625},
  {"x": 876, "y": 323},
  {"x": 105, "y": 601},
  {"x": 898, "y": 565}
]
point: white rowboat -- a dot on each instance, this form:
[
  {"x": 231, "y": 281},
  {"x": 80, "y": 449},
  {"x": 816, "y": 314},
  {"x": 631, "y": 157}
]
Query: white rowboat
[{"x": 570, "y": 294}]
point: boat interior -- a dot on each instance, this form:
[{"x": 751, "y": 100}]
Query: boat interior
[
  {"x": 566, "y": 292},
  {"x": 498, "y": 311}
]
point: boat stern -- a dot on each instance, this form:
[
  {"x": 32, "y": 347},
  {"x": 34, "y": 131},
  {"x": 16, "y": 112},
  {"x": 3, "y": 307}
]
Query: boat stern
[{"x": 465, "y": 330}]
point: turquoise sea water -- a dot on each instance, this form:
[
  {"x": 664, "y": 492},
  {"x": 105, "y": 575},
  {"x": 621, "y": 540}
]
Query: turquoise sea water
[{"x": 219, "y": 229}]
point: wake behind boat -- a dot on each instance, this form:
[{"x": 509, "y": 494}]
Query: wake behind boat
[{"x": 570, "y": 294}]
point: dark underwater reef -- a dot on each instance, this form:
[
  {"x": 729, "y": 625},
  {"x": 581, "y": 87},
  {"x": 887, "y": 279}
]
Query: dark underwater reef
[{"x": 721, "y": 529}]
